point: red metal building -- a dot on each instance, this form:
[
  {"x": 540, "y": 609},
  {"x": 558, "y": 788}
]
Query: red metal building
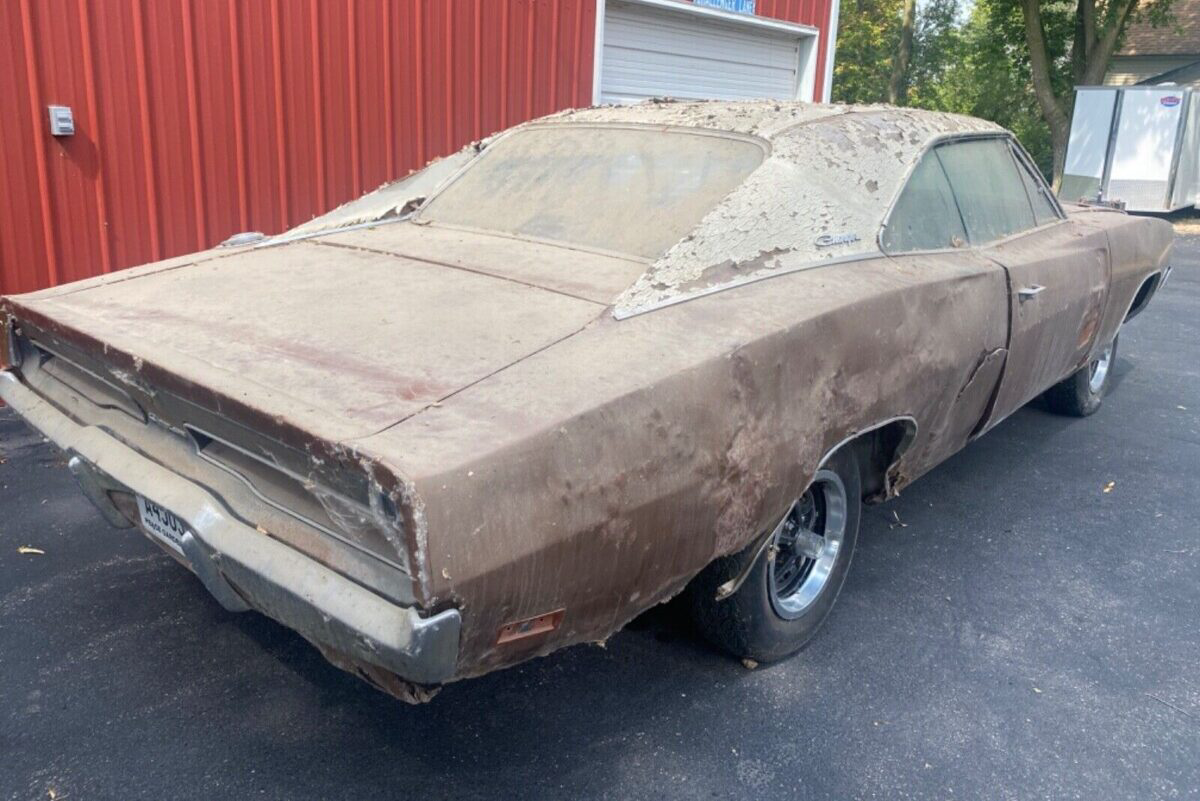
[{"x": 196, "y": 119}]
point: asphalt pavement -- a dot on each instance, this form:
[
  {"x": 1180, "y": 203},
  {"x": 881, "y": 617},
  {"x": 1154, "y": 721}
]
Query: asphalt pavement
[{"x": 1022, "y": 623}]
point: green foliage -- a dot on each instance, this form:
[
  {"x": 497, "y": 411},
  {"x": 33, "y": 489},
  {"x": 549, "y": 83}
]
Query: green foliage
[
  {"x": 939, "y": 49},
  {"x": 968, "y": 58},
  {"x": 986, "y": 74},
  {"x": 1159, "y": 14},
  {"x": 868, "y": 32}
]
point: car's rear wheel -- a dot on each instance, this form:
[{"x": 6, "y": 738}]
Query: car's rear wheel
[
  {"x": 789, "y": 590},
  {"x": 1081, "y": 393}
]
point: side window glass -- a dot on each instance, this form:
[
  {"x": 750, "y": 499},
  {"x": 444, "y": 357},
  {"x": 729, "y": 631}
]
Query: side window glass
[
  {"x": 1039, "y": 195},
  {"x": 989, "y": 190},
  {"x": 925, "y": 217}
]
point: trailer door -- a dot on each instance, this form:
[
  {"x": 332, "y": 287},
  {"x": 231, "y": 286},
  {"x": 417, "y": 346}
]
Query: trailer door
[
  {"x": 1144, "y": 154},
  {"x": 1087, "y": 148}
]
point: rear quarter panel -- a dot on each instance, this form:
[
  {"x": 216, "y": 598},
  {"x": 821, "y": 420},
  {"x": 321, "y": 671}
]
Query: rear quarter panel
[{"x": 602, "y": 474}]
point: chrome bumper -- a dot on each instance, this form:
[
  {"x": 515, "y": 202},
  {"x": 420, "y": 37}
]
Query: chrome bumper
[{"x": 244, "y": 568}]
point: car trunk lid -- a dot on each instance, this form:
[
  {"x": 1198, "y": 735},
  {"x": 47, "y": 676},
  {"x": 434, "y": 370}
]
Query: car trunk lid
[{"x": 337, "y": 340}]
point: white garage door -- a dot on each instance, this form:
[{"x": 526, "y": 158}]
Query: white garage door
[{"x": 648, "y": 51}]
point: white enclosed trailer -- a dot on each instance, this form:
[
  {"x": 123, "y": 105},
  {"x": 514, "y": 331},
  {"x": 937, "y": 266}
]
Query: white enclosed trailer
[{"x": 1136, "y": 145}]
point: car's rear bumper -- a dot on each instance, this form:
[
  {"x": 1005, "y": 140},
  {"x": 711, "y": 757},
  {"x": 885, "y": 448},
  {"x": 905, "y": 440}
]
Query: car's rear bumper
[{"x": 245, "y": 568}]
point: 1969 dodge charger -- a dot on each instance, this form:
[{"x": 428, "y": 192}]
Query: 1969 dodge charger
[{"x": 507, "y": 403}]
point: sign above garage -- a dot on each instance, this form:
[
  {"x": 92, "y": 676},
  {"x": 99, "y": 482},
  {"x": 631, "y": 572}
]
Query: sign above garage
[{"x": 738, "y": 6}]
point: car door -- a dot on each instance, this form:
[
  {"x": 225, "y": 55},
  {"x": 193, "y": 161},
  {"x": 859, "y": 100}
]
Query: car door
[
  {"x": 924, "y": 236},
  {"x": 1057, "y": 270}
]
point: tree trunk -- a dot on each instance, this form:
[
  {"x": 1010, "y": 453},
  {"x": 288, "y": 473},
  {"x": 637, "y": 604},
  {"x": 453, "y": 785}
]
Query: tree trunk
[
  {"x": 898, "y": 85},
  {"x": 1091, "y": 51},
  {"x": 1039, "y": 68},
  {"x": 1103, "y": 45},
  {"x": 1059, "y": 146}
]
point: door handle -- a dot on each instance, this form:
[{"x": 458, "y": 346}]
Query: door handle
[{"x": 1030, "y": 292}]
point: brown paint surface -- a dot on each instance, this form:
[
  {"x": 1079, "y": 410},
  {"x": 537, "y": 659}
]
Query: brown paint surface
[{"x": 545, "y": 456}]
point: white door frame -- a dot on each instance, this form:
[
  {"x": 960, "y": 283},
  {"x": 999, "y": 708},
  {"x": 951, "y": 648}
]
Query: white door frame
[
  {"x": 809, "y": 36},
  {"x": 834, "y": 15}
]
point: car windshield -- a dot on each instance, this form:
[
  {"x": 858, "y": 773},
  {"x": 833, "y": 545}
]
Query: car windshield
[{"x": 625, "y": 189}]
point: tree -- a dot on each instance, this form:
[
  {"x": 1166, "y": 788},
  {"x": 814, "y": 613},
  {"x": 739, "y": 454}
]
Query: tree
[
  {"x": 899, "y": 82},
  {"x": 989, "y": 74},
  {"x": 984, "y": 64},
  {"x": 867, "y": 37},
  {"x": 941, "y": 49},
  {"x": 974, "y": 64},
  {"x": 1097, "y": 28}
]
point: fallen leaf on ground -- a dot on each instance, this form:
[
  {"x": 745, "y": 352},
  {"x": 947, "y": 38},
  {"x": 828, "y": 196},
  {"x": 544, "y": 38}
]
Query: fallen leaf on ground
[
  {"x": 749, "y": 664},
  {"x": 30, "y": 549},
  {"x": 1109, "y": 486}
]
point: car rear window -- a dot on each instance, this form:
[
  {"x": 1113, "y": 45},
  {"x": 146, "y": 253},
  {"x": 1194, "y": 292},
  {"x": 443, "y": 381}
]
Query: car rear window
[{"x": 624, "y": 189}]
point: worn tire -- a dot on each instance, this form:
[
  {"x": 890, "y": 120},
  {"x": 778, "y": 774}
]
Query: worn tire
[
  {"x": 747, "y": 624},
  {"x": 1078, "y": 395}
]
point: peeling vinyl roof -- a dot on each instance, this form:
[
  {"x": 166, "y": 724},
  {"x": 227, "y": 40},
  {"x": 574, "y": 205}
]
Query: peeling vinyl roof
[
  {"x": 763, "y": 118},
  {"x": 821, "y": 195}
]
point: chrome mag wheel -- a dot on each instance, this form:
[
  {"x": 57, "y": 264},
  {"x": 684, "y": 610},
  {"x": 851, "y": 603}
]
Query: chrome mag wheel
[
  {"x": 1098, "y": 369},
  {"x": 806, "y": 545}
]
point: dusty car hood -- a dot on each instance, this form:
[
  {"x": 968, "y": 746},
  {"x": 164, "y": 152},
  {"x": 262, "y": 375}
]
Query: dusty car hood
[{"x": 337, "y": 339}]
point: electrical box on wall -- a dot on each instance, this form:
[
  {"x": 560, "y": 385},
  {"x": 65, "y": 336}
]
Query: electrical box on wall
[{"x": 62, "y": 121}]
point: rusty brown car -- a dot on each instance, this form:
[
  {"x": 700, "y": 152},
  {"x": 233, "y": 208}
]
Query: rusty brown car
[{"x": 509, "y": 402}]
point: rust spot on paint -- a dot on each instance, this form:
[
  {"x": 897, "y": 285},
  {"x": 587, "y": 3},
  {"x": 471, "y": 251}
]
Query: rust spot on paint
[{"x": 1091, "y": 322}]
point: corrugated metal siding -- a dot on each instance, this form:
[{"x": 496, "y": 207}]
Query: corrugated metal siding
[{"x": 196, "y": 119}]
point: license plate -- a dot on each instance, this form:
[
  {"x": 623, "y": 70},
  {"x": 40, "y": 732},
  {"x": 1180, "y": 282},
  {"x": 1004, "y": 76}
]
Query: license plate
[{"x": 162, "y": 524}]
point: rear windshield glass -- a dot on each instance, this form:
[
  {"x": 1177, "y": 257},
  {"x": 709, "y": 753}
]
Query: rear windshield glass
[
  {"x": 390, "y": 200},
  {"x": 629, "y": 190}
]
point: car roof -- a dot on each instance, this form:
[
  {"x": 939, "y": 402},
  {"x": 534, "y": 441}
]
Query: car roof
[
  {"x": 820, "y": 196},
  {"x": 768, "y": 119}
]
